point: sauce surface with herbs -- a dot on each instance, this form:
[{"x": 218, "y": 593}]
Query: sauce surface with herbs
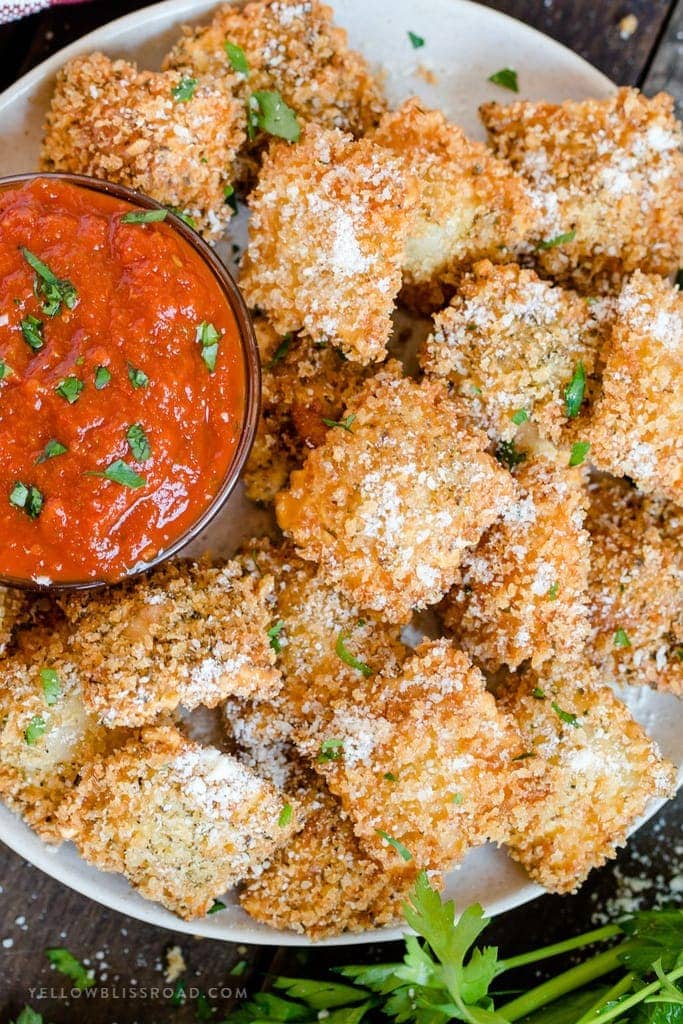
[{"x": 122, "y": 384}]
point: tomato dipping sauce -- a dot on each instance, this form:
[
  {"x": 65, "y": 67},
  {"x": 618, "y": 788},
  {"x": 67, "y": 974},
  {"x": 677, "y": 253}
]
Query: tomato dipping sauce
[{"x": 122, "y": 384}]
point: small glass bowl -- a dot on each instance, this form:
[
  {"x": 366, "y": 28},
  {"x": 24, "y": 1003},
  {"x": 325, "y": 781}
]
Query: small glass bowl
[{"x": 252, "y": 376}]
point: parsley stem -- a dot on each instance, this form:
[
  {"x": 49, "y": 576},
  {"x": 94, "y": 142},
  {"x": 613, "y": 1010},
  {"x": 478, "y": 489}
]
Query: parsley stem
[
  {"x": 613, "y": 993},
  {"x": 586, "y": 939},
  {"x": 638, "y": 997}
]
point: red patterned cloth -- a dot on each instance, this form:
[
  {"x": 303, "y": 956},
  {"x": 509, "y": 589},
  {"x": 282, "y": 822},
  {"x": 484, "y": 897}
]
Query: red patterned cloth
[{"x": 12, "y": 9}]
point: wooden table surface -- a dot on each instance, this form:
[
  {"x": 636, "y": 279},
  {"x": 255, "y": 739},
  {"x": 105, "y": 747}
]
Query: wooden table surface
[{"x": 36, "y": 911}]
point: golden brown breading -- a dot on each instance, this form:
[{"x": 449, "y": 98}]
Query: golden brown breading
[
  {"x": 303, "y": 384},
  {"x": 636, "y": 586},
  {"x": 109, "y": 120},
  {"x": 14, "y": 609},
  {"x": 510, "y": 344},
  {"x": 330, "y": 216},
  {"x": 471, "y": 204},
  {"x": 186, "y": 634},
  {"x": 46, "y": 734},
  {"x": 389, "y": 506},
  {"x": 182, "y": 822},
  {"x": 594, "y": 772},
  {"x": 604, "y": 173},
  {"x": 523, "y": 589},
  {"x": 322, "y": 882},
  {"x": 635, "y": 429},
  {"x": 425, "y": 760},
  {"x": 292, "y": 48}
]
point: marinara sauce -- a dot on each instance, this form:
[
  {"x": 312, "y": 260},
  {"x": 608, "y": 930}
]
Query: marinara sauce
[{"x": 122, "y": 384}]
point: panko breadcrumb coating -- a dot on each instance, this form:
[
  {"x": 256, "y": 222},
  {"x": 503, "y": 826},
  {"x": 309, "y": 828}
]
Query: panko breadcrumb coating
[
  {"x": 182, "y": 822},
  {"x": 303, "y": 384},
  {"x": 635, "y": 429},
  {"x": 636, "y": 586},
  {"x": 472, "y": 205},
  {"x": 329, "y": 220},
  {"x": 605, "y": 176},
  {"x": 186, "y": 634},
  {"x": 423, "y": 765},
  {"x": 594, "y": 769},
  {"x": 46, "y": 733},
  {"x": 109, "y": 120},
  {"x": 14, "y": 609},
  {"x": 510, "y": 344},
  {"x": 523, "y": 589},
  {"x": 322, "y": 882},
  {"x": 389, "y": 506},
  {"x": 292, "y": 48}
]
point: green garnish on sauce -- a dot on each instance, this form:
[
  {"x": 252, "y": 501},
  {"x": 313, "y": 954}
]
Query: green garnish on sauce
[
  {"x": 102, "y": 377},
  {"x": 138, "y": 378},
  {"x": 274, "y": 635},
  {"x": 237, "y": 57},
  {"x": 344, "y": 424},
  {"x": 70, "y": 389},
  {"x": 184, "y": 90},
  {"x": 121, "y": 473},
  {"x": 32, "y": 330},
  {"x": 575, "y": 391},
  {"x": 416, "y": 41},
  {"x": 342, "y": 652},
  {"x": 565, "y": 716},
  {"x": 138, "y": 442},
  {"x": 51, "y": 450},
  {"x": 51, "y": 687},
  {"x": 621, "y": 639},
  {"x": 285, "y": 816},
  {"x": 55, "y": 290},
  {"x": 507, "y": 78},
  {"x": 34, "y": 730},
  {"x": 143, "y": 216},
  {"x": 208, "y": 337},
  {"x": 401, "y": 850},
  {"x": 27, "y": 498},
  {"x": 330, "y": 750},
  {"x": 269, "y": 112},
  {"x": 5, "y": 370},
  {"x": 183, "y": 216},
  {"x": 552, "y": 243},
  {"x": 579, "y": 452}
]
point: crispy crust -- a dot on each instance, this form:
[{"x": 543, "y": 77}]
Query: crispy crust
[
  {"x": 330, "y": 216},
  {"x": 609, "y": 170},
  {"x": 15, "y": 609},
  {"x": 389, "y": 507},
  {"x": 510, "y": 342},
  {"x": 635, "y": 430},
  {"x": 636, "y": 585},
  {"x": 109, "y": 120},
  {"x": 591, "y": 780},
  {"x": 426, "y": 758},
  {"x": 182, "y": 822},
  {"x": 186, "y": 634},
  {"x": 524, "y": 587},
  {"x": 472, "y": 205}
]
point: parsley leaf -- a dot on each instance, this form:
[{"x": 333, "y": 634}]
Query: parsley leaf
[
  {"x": 565, "y": 716},
  {"x": 274, "y": 635},
  {"x": 67, "y": 964},
  {"x": 537, "y": 693},
  {"x": 183, "y": 216},
  {"x": 269, "y": 112},
  {"x": 216, "y": 906},
  {"x": 34, "y": 730},
  {"x": 507, "y": 454},
  {"x": 552, "y": 243},
  {"x": 138, "y": 378},
  {"x": 29, "y": 1016},
  {"x": 119, "y": 472},
  {"x": 554, "y": 591},
  {"x": 519, "y": 417},
  {"x": 416, "y": 41},
  {"x": 281, "y": 351},
  {"x": 32, "y": 330},
  {"x": 51, "y": 450},
  {"x": 28, "y": 498},
  {"x": 401, "y": 850},
  {"x": 102, "y": 377},
  {"x": 51, "y": 686},
  {"x": 138, "y": 442},
  {"x": 5, "y": 370},
  {"x": 575, "y": 391},
  {"x": 70, "y": 389},
  {"x": 344, "y": 424},
  {"x": 237, "y": 57},
  {"x": 621, "y": 638},
  {"x": 143, "y": 216},
  {"x": 506, "y": 77},
  {"x": 342, "y": 652},
  {"x": 56, "y": 291},
  {"x": 579, "y": 452},
  {"x": 285, "y": 816},
  {"x": 184, "y": 90},
  {"x": 330, "y": 750},
  {"x": 208, "y": 337}
]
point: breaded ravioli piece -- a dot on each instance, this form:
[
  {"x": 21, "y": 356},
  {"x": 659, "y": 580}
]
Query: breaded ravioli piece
[
  {"x": 510, "y": 344},
  {"x": 46, "y": 733},
  {"x": 595, "y": 770},
  {"x": 14, "y": 610},
  {"x": 636, "y": 586},
  {"x": 168, "y": 135},
  {"x": 472, "y": 205},
  {"x": 304, "y": 384},
  {"x": 423, "y": 764},
  {"x": 290, "y": 47},
  {"x": 322, "y": 882},
  {"x": 605, "y": 177},
  {"x": 388, "y": 507},
  {"x": 187, "y": 634},
  {"x": 181, "y": 821},
  {"x": 635, "y": 428},
  {"x": 523, "y": 589},
  {"x": 329, "y": 220}
]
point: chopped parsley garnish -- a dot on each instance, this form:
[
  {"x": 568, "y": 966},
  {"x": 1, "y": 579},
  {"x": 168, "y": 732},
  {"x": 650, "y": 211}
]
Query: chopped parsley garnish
[
  {"x": 565, "y": 716},
  {"x": 416, "y": 41},
  {"x": 102, "y": 377},
  {"x": 348, "y": 658},
  {"x": 138, "y": 442},
  {"x": 205, "y": 1010},
  {"x": 524, "y": 756},
  {"x": 390, "y": 777},
  {"x": 330, "y": 750},
  {"x": 621, "y": 638},
  {"x": 401, "y": 850},
  {"x": 32, "y": 330},
  {"x": 121, "y": 473},
  {"x": 34, "y": 730},
  {"x": 51, "y": 450},
  {"x": 521, "y": 416},
  {"x": 143, "y": 216},
  {"x": 574, "y": 392},
  {"x": 230, "y": 197},
  {"x": 537, "y": 693},
  {"x": 5, "y": 370},
  {"x": 184, "y": 90},
  {"x": 344, "y": 424},
  {"x": 51, "y": 687},
  {"x": 274, "y": 635},
  {"x": 579, "y": 452},
  {"x": 28, "y": 498},
  {"x": 29, "y": 1016},
  {"x": 178, "y": 995},
  {"x": 269, "y": 112},
  {"x": 208, "y": 337},
  {"x": 507, "y": 454},
  {"x": 216, "y": 906},
  {"x": 55, "y": 290},
  {"x": 70, "y": 389},
  {"x": 67, "y": 964},
  {"x": 506, "y": 77},
  {"x": 476, "y": 389},
  {"x": 554, "y": 591},
  {"x": 457, "y": 799},
  {"x": 237, "y": 57},
  {"x": 285, "y": 816},
  {"x": 183, "y": 216},
  {"x": 281, "y": 351},
  {"x": 138, "y": 378},
  {"x": 238, "y": 970},
  {"x": 552, "y": 243}
]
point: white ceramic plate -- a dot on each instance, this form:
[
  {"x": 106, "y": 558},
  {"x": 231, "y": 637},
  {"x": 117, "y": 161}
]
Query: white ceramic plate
[{"x": 465, "y": 43}]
